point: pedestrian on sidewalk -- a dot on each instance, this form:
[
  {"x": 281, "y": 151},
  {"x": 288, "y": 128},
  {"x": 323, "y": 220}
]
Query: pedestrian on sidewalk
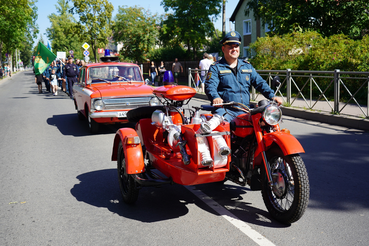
[
  {"x": 153, "y": 71},
  {"x": 177, "y": 69},
  {"x": 161, "y": 72},
  {"x": 204, "y": 66}
]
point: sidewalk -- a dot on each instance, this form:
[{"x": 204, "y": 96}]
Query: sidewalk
[
  {"x": 321, "y": 113},
  {"x": 4, "y": 79}
]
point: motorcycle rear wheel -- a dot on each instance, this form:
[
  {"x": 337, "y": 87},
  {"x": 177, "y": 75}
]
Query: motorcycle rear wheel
[
  {"x": 127, "y": 184},
  {"x": 287, "y": 201}
]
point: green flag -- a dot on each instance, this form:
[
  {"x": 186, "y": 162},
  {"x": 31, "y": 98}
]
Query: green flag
[{"x": 43, "y": 58}]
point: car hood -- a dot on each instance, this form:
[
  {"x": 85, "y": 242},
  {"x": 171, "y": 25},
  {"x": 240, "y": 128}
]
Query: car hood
[{"x": 123, "y": 90}]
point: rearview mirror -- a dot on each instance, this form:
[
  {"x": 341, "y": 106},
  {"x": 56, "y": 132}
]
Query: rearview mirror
[{"x": 276, "y": 82}]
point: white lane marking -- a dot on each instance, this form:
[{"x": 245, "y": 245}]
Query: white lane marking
[{"x": 242, "y": 226}]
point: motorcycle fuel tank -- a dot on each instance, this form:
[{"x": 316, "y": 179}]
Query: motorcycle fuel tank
[
  {"x": 175, "y": 93},
  {"x": 241, "y": 126}
]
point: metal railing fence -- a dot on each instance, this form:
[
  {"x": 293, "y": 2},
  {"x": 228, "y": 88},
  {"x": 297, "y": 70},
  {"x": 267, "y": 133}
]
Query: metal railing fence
[
  {"x": 194, "y": 78},
  {"x": 316, "y": 90}
]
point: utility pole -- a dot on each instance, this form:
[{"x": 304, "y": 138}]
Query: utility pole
[{"x": 224, "y": 18}]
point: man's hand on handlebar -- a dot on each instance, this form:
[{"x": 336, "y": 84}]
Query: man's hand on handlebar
[
  {"x": 277, "y": 100},
  {"x": 217, "y": 101}
]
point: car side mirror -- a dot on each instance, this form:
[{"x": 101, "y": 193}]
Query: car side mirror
[{"x": 89, "y": 81}]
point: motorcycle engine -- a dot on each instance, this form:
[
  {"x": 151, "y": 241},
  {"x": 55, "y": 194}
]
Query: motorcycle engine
[{"x": 159, "y": 118}]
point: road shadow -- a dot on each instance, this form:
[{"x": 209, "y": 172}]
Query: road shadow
[
  {"x": 235, "y": 199},
  {"x": 101, "y": 189},
  {"x": 337, "y": 166},
  {"x": 71, "y": 125}
]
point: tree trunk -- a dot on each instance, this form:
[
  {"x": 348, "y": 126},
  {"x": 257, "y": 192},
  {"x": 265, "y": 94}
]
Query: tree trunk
[
  {"x": 224, "y": 18},
  {"x": 1, "y": 54},
  {"x": 10, "y": 63}
]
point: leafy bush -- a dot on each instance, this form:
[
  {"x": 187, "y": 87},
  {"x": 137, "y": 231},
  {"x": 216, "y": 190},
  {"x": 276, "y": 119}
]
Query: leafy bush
[
  {"x": 310, "y": 51},
  {"x": 167, "y": 54}
]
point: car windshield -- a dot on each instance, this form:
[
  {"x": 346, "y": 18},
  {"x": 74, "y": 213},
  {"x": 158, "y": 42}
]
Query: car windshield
[{"x": 114, "y": 74}]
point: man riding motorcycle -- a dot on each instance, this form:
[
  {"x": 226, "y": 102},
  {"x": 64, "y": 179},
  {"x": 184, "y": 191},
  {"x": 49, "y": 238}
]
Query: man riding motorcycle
[{"x": 231, "y": 79}]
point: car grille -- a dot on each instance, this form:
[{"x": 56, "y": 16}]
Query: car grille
[{"x": 126, "y": 103}]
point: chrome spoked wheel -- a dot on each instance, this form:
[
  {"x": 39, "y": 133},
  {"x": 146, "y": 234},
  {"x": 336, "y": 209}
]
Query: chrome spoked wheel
[{"x": 287, "y": 198}]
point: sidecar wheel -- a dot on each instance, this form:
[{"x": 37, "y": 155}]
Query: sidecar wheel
[
  {"x": 127, "y": 184},
  {"x": 286, "y": 201}
]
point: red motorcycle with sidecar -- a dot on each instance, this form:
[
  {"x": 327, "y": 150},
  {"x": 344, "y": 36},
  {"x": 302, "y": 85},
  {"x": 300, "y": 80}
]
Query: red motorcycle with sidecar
[{"x": 167, "y": 147}]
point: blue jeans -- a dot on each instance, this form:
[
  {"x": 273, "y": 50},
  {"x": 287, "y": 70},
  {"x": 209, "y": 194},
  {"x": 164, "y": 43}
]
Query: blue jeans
[
  {"x": 153, "y": 75},
  {"x": 228, "y": 114}
]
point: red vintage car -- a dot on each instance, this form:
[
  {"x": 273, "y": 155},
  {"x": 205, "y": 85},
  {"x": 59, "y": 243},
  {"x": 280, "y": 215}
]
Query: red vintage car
[{"x": 106, "y": 91}]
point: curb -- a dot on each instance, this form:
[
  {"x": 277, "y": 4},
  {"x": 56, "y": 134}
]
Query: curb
[{"x": 338, "y": 120}]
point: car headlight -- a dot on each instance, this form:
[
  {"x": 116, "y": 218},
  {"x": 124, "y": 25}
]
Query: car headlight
[
  {"x": 154, "y": 101},
  {"x": 98, "y": 104},
  {"x": 272, "y": 115}
]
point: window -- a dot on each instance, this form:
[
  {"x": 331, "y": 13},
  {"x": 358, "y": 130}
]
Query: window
[
  {"x": 246, "y": 27},
  {"x": 82, "y": 76},
  {"x": 267, "y": 28}
]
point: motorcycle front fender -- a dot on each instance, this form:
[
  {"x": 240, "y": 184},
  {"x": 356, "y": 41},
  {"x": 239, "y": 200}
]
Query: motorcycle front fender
[
  {"x": 132, "y": 152},
  {"x": 287, "y": 142}
]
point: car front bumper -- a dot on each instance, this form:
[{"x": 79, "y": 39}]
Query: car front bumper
[{"x": 108, "y": 115}]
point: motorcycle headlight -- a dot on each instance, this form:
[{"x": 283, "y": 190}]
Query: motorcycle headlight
[
  {"x": 98, "y": 104},
  {"x": 154, "y": 101},
  {"x": 272, "y": 115}
]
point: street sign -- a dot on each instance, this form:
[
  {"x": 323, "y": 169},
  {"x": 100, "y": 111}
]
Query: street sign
[
  {"x": 85, "y": 46},
  {"x": 86, "y": 53},
  {"x": 87, "y": 58},
  {"x": 100, "y": 50},
  {"x": 71, "y": 52}
]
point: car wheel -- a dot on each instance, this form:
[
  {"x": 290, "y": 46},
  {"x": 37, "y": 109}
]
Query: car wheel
[
  {"x": 92, "y": 125},
  {"x": 80, "y": 115}
]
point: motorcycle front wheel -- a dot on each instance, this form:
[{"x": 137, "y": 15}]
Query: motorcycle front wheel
[
  {"x": 127, "y": 184},
  {"x": 288, "y": 197}
]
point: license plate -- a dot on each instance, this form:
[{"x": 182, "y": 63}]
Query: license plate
[{"x": 122, "y": 114}]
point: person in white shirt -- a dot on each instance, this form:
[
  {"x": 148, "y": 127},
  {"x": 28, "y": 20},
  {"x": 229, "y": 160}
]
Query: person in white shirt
[{"x": 204, "y": 65}]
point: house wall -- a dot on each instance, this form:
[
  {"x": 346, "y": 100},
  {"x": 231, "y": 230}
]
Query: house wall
[{"x": 257, "y": 28}]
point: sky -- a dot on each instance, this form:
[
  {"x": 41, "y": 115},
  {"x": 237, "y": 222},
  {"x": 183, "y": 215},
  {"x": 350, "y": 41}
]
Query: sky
[{"x": 47, "y": 7}]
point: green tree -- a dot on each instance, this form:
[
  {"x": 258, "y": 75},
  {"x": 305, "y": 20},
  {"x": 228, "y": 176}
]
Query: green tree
[
  {"x": 16, "y": 20},
  {"x": 62, "y": 31},
  {"x": 191, "y": 23},
  {"x": 26, "y": 52},
  {"x": 328, "y": 17},
  {"x": 94, "y": 22},
  {"x": 137, "y": 29},
  {"x": 214, "y": 46}
]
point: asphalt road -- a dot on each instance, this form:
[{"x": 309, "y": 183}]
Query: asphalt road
[{"x": 59, "y": 186}]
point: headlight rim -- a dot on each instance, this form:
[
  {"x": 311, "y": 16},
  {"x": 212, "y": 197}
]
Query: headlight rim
[
  {"x": 267, "y": 115},
  {"x": 157, "y": 102},
  {"x": 99, "y": 107}
]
